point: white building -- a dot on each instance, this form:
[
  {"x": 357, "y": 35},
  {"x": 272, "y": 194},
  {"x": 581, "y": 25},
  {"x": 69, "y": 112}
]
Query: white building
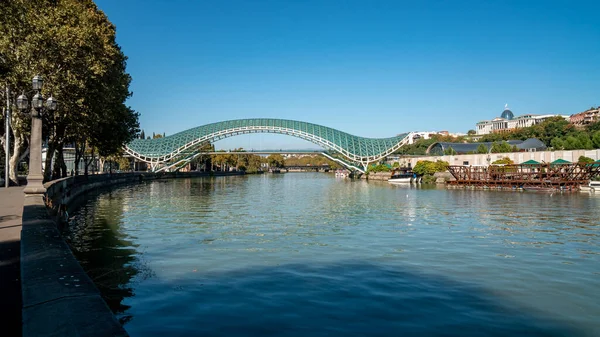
[
  {"x": 414, "y": 136},
  {"x": 507, "y": 122}
]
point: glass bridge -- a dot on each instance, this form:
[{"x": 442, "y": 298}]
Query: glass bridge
[{"x": 356, "y": 152}]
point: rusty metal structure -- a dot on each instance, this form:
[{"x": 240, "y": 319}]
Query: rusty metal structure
[{"x": 543, "y": 176}]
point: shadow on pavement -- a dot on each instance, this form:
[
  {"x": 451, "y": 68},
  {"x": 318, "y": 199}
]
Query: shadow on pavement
[{"x": 10, "y": 285}]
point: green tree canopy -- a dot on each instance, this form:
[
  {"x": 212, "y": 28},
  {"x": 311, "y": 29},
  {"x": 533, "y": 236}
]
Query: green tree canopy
[
  {"x": 449, "y": 151},
  {"x": 501, "y": 147},
  {"x": 427, "y": 167},
  {"x": 482, "y": 149},
  {"x": 596, "y": 139},
  {"x": 275, "y": 160},
  {"x": 503, "y": 161},
  {"x": 71, "y": 44},
  {"x": 584, "y": 159}
]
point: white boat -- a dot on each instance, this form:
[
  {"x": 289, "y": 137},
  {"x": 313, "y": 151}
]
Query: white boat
[
  {"x": 592, "y": 187},
  {"x": 401, "y": 178},
  {"x": 341, "y": 173}
]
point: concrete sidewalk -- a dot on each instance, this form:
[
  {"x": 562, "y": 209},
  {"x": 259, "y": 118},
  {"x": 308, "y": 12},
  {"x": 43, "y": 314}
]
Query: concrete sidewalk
[{"x": 11, "y": 209}]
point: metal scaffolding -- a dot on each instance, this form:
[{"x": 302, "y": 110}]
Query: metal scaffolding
[{"x": 543, "y": 176}]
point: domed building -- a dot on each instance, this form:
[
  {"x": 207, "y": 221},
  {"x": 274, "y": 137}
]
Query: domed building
[
  {"x": 507, "y": 122},
  {"x": 507, "y": 114}
]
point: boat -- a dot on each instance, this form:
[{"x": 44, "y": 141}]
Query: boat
[
  {"x": 540, "y": 189},
  {"x": 592, "y": 187},
  {"x": 341, "y": 173},
  {"x": 401, "y": 177}
]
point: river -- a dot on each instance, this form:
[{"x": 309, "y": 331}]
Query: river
[{"x": 306, "y": 254}]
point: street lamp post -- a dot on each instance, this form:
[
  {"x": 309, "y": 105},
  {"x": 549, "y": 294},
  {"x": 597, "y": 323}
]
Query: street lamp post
[{"x": 35, "y": 178}]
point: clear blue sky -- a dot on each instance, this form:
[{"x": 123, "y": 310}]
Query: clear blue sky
[{"x": 370, "y": 68}]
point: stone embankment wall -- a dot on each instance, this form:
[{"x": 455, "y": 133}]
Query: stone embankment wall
[
  {"x": 517, "y": 157},
  {"x": 440, "y": 177},
  {"x": 443, "y": 177},
  {"x": 59, "y": 299},
  {"x": 380, "y": 176}
]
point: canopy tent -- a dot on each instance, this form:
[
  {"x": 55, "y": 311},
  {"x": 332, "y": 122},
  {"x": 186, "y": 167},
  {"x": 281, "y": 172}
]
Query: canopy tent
[
  {"x": 531, "y": 162},
  {"x": 560, "y": 162}
]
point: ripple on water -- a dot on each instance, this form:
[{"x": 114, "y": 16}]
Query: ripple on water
[{"x": 306, "y": 254}]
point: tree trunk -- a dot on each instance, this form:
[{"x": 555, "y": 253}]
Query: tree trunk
[
  {"x": 87, "y": 163},
  {"x": 79, "y": 153},
  {"x": 18, "y": 144},
  {"x": 56, "y": 166},
  {"x": 101, "y": 168},
  {"x": 48, "y": 165},
  {"x": 62, "y": 167}
]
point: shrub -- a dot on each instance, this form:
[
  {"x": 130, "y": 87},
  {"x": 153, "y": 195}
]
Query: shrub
[
  {"x": 503, "y": 161},
  {"x": 584, "y": 159},
  {"x": 426, "y": 167},
  {"x": 378, "y": 168}
]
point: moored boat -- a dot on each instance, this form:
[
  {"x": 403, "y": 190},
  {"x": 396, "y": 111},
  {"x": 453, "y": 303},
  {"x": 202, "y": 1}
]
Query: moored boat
[
  {"x": 401, "y": 177},
  {"x": 592, "y": 187}
]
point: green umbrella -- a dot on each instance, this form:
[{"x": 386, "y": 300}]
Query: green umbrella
[
  {"x": 531, "y": 162},
  {"x": 560, "y": 162}
]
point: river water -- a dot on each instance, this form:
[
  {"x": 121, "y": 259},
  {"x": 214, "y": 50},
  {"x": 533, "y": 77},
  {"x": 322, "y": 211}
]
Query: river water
[{"x": 306, "y": 254}]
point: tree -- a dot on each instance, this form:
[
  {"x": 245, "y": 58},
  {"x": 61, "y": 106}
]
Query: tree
[
  {"x": 593, "y": 127},
  {"x": 275, "y": 160},
  {"x": 156, "y": 135},
  {"x": 502, "y": 147},
  {"x": 494, "y": 137},
  {"x": 557, "y": 143},
  {"x": 426, "y": 167},
  {"x": 571, "y": 143},
  {"x": 142, "y": 135},
  {"x": 596, "y": 139},
  {"x": 585, "y": 160},
  {"x": 449, "y": 151},
  {"x": 378, "y": 168},
  {"x": 554, "y": 127},
  {"x": 471, "y": 132},
  {"x": 503, "y": 161},
  {"x": 585, "y": 141},
  {"x": 482, "y": 149},
  {"x": 123, "y": 163},
  {"x": 71, "y": 44}
]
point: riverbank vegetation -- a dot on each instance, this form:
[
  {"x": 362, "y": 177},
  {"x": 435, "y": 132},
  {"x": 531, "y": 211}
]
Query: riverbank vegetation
[
  {"x": 311, "y": 160},
  {"x": 426, "y": 169},
  {"x": 241, "y": 160},
  {"x": 374, "y": 168}
]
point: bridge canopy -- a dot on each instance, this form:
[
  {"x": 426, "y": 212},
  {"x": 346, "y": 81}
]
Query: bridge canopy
[{"x": 354, "y": 148}]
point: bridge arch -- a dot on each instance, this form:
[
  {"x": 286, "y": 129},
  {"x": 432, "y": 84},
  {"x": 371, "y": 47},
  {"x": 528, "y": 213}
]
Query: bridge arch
[{"x": 184, "y": 145}]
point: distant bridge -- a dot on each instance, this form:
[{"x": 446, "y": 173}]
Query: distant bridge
[{"x": 351, "y": 151}]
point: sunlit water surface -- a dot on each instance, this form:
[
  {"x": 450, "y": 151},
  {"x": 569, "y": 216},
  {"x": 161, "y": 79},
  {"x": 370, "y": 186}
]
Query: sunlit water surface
[{"x": 306, "y": 254}]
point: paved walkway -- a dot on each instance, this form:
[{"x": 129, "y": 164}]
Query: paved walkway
[{"x": 11, "y": 208}]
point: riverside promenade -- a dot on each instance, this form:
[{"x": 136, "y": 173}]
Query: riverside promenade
[{"x": 11, "y": 209}]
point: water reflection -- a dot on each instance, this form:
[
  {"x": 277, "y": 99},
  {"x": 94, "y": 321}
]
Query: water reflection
[
  {"x": 105, "y": 251},
  {"x": 288, "y": 254},
  {"x": 350, "y": 298}
]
